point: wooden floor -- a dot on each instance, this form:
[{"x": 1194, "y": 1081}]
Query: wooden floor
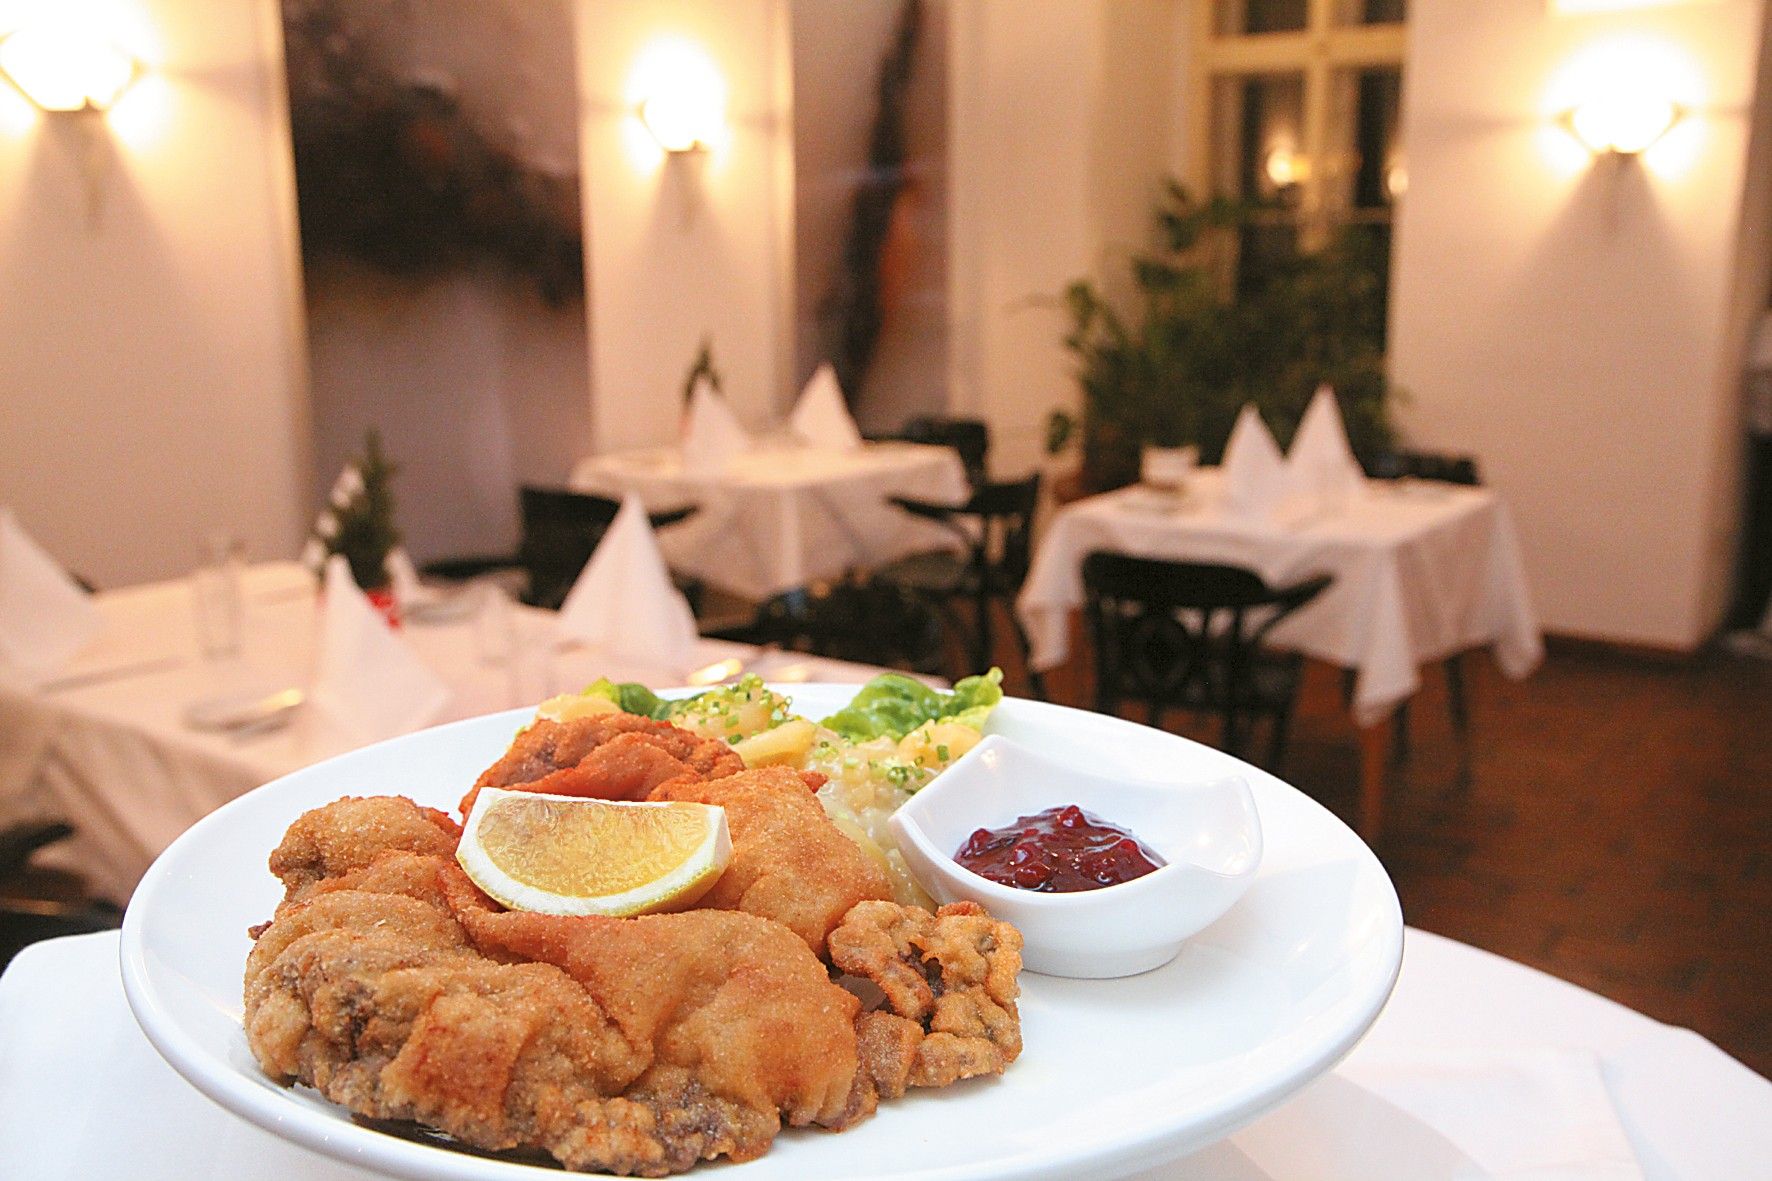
[{"x": 1610, "y": 822}]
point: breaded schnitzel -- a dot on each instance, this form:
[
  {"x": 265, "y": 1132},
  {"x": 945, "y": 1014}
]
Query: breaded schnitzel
[
  {"x": 389, "y": 983},
  {"x": 789, "y": 862}
]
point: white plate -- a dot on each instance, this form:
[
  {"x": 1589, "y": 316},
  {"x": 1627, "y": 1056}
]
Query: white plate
[{"x": 1116, "y": 1075}]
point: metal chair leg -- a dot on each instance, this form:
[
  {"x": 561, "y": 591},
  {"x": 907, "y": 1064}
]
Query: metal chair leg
[
  {"x": 982, "y": 639},
  {"x": 1036, "y": 680},
  {"x": 958, "y": 632},
  {"x": 1232, "y": 734},
  {"x": 1400, "y": 736},
  {"x": 1456, "y": 702},
  {"x": 1276, "y": 742}
]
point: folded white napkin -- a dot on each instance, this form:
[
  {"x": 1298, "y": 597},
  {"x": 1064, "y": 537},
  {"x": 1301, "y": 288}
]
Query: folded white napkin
[
  {"x": 821, "y": 417},
  {"x": 367, "y": 680},
  {"x": 712, "y": 437},
  {"x": 623, "y": 603},
  {"x": 45, "y": 617},
  {"x": 403, "y": 578},
  {"x": 1254, "y": 479},
  {"x": 1451, "y": 1112},
  {"x": 1321, "y": 469}
]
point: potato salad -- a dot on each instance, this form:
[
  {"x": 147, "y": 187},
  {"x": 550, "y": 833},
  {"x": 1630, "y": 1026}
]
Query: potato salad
[{"x": 894, "y": 736}]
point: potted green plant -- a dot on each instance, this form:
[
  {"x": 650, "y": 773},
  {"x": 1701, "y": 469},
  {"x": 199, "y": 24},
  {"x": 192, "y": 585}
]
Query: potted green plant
[
  {"x": 1171, "y": 366},
  {"x": 359, "y": 524}
]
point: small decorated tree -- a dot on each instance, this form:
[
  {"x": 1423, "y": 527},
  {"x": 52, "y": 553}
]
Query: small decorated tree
[
  {"x": 702, "y": 366},
  {"x": 359, "y": 520}
]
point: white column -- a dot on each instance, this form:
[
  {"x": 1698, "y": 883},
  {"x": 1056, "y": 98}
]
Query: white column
[
  {"x": 152, "y": 356},
  {"x": 681, "y": 247},
  {"x": 1058, "y": 133},
  {"x": 1579, "y": 323}
]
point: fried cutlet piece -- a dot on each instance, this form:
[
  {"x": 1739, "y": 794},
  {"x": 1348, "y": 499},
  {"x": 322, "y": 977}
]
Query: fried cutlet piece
[
  {"x": 349, "y": 834},
  {"x": 949, "y": 982},
  {"x": 612, "y": 756},
  {"x": 353, "y": 910},
  {"x": 733, "y": 1005},
  {"x": 790, "y": 863},
  {"x": 394, "y": 871},
  {"x": 665, "y": 1040},
  {"x": 499, "y": 1056}
]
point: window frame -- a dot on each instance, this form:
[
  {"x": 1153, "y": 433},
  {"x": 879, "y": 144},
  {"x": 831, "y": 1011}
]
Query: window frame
[{"x": 1318, "y": 52}]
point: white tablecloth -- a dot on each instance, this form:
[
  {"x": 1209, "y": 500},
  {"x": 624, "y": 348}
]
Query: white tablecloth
[
  {"x": 106, "y": 748},
  {"x": 84, "y": 1095},
  {"x": 783, "y": 517},
  {"x": 1422, "y": 571}
]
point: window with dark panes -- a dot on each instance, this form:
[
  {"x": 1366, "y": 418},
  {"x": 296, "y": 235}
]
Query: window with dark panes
[{"x": 1302, "y": 104}]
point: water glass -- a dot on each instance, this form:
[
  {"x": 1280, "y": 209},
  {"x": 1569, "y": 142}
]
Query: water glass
[
  {"x": 218, "y": 596},
  {"x": 495, "y": 622},
  {"x": 1168, "y": 469}
]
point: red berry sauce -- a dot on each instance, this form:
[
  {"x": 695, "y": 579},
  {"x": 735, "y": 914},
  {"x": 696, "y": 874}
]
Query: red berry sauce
[{"x": 1058, "y": 851}]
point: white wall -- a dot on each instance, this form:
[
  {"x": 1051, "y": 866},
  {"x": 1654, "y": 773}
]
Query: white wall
[
  {"x": 475, "y": 383},
  {"x": 150, "y": 352},
  {"x": 1577, "y": 325},
  {"x": 1058, "y": 124},
  {"x": 682, "y": 248}
]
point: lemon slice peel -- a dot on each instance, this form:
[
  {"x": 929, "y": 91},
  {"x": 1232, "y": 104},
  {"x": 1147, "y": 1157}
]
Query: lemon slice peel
[{"x": 568, "y": 855}]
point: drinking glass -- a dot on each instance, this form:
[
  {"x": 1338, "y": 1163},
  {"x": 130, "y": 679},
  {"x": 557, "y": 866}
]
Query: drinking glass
[
  {"x": 495, "y": 620},
  {"x": 218, "y": 596},
  {"x": 1168, "y": 469}
]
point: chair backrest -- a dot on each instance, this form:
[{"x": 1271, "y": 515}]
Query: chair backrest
[
  {"x": 1428, "y": 465},
  {"x": 561, "y": 530},
  {"x": 1005, "y": 514},
  {"x": 971, "y": 437},
  {"x": 1180, "y": 633},
  {"x": 869, "y": 623}
]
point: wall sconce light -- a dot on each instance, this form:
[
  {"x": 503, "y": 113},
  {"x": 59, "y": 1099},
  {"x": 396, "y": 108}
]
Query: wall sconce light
[
  {"x": 682, "y": 99},
  {"x": 62, "y": 66},
  {"x": 1621, "y": 123},
  {"x": 679, "y": 123}
]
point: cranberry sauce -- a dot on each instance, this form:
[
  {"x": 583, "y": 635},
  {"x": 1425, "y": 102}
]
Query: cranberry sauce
[{"x": 1058, "y": 851}]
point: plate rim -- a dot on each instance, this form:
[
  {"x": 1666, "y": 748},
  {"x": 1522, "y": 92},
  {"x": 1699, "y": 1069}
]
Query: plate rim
[{"x": 353, "y": 1144}]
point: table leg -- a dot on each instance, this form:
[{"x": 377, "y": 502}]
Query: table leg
[{"x": 1375, "y": 744}]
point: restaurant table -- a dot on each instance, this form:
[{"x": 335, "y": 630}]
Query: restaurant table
[
  {"x": 105, "y": 746},
  {"x": 1423, "y": 570},
  {"x": 84, "y": 1095},
  {"x": 785, "y": 516}
]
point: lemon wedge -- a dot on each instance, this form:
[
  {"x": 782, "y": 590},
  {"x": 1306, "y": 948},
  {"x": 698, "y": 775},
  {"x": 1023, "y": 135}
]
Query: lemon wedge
[{"x": 568, "y": 855}]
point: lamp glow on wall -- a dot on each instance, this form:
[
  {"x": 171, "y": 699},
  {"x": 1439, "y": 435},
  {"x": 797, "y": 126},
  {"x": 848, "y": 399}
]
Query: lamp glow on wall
[
  {"x": 1630, "y": 96},
  {"x": 61, "y": 65},
  {"x": 1623, "y": 122},
  {"x": 680, "y": 98}
]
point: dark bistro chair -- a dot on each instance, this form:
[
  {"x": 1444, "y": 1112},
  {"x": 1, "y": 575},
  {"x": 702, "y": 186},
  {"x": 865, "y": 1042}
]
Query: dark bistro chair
[
  {"x": 995, "y": 528},
  {"x": 561, "y": 530},
  {"x": 865, "y": 622},
  {"x": 1189, "y": 635}
]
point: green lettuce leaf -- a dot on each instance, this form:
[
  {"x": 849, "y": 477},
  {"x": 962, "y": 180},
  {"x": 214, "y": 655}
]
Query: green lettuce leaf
[
  {"x": 631, "y": 697},
  {"x": 973, "y": 699},
  {"x": 893, "y": 705}
]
